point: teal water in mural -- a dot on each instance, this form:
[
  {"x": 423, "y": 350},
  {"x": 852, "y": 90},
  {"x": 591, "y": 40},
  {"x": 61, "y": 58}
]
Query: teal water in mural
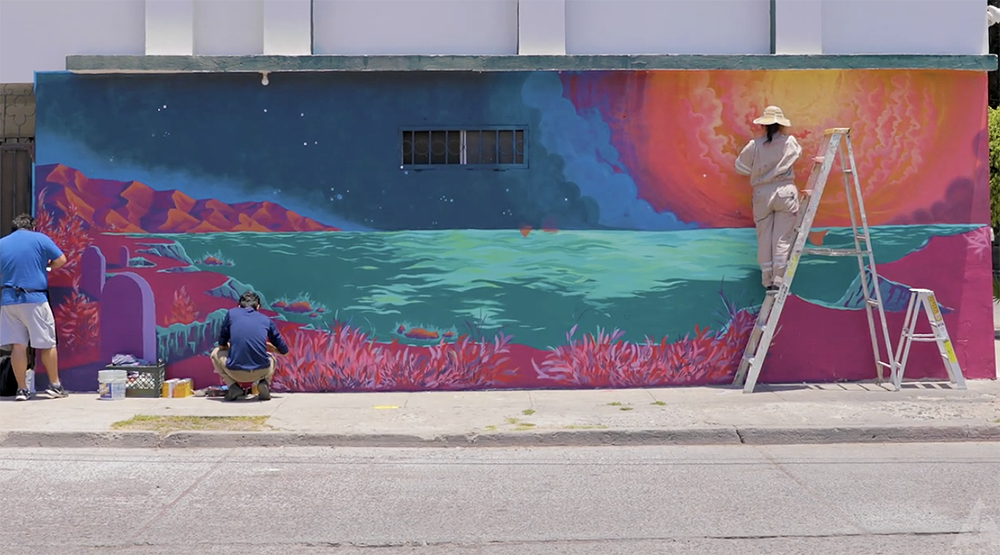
[{"x": 534, "y": 287}]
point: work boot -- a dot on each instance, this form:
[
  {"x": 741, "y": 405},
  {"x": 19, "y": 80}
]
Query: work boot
[
  {"x": 235, "y": 392},
  {"x": 263, "y": 391}
]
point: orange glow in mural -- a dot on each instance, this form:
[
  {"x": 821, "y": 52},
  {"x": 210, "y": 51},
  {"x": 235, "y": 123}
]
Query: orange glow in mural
[{"x": 916, "y": 143}]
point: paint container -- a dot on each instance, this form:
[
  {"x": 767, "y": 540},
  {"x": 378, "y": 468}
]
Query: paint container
[
  {"x": 111, "y": 384},
  {"x": 177, "y": 387}
]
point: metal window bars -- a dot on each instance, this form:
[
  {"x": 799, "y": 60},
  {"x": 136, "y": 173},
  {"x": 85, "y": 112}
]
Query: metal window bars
[{"x": 479, "y": 147}]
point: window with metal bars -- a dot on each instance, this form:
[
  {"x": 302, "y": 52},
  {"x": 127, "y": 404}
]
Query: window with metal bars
[{"x": 478, "y": 148}]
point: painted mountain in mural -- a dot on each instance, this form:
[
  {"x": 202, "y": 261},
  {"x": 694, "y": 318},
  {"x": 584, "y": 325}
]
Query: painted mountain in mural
[{"x": 133, "y": 207}]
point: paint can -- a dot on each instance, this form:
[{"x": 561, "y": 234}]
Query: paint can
[{"x": 111, "y": 384}]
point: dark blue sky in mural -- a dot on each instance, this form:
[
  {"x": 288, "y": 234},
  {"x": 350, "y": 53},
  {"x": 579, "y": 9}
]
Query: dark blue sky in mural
[{"x": 329, "y": 146}]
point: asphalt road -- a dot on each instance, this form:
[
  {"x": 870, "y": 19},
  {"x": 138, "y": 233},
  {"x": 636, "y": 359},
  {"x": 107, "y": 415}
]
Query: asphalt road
[{"x": 912, "y": 499}]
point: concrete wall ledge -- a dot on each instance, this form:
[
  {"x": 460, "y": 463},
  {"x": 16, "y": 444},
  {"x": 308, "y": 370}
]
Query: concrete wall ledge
[{"x": 237, "y": 64}]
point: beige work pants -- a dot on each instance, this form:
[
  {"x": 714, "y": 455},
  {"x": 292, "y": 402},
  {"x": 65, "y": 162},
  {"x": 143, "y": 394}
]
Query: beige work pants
[
  {"x": 775, "y": 209},
  {"x": 231, "y": 377}
]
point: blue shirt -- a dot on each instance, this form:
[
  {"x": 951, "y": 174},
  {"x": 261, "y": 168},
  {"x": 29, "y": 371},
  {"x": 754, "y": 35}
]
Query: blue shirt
[
  {"x": 247, "y": 333},
  {"x": 24, "y": 255}
]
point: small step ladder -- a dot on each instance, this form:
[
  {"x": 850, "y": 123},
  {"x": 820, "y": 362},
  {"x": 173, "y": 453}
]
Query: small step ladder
[
  {"x": 924, "y": 299},
  {"x": 774, "y": 301}
]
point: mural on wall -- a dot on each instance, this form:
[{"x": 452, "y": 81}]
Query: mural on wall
[{"x": 621, "y": 253}]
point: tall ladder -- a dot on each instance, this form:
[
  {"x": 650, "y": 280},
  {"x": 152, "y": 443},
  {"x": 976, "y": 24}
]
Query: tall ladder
[{"x": 774, "y": 301}]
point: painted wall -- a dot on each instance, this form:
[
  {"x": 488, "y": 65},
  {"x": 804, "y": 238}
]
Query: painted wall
[
  {"x": 674, "y": 27},
  {"x": 622, "y": 254},
  {"x": 408, "y": 27}
]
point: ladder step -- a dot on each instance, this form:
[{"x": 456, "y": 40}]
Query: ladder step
[
  {"x": 885, "y": 364},
  {"x": 923, "y": 338},
  {"x": 833, "y": 252}
]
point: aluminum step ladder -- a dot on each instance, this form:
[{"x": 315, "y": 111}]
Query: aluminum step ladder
[
  {"x": 923, "y": 299},
  {"x": 836, "y": 141}
]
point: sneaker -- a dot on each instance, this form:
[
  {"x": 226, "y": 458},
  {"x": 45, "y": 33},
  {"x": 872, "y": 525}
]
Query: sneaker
[
  {"x": 263, "y": 391},
  {"x": 22, "y": 395},
  {"x": 56, "y": 390},
  {"x": 235, "y": 392}
]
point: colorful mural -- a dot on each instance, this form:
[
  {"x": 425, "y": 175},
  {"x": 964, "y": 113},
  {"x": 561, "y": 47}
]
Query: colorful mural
[{"x": 621, "y": 254}]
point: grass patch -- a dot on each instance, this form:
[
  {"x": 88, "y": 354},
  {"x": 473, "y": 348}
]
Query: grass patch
[
  {"x": 586, "y": 427},
  {"x": 524, "y": 426},
  {"x": 511, "y": 420},
  {"x": 614, "y": 404},
  {"x": 490, "y": 428},
  {"x": 659, "y": 403},
  {"x": 528, "y": 412},
  {"x": 167, "y": 424},
  {"x": 625, "y": 408}
]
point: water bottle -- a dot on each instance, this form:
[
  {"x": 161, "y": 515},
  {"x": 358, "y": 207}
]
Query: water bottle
[{"x": 29, "y": 381}]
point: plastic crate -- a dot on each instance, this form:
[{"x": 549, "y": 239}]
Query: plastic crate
[{"x": 142, "y": 381}]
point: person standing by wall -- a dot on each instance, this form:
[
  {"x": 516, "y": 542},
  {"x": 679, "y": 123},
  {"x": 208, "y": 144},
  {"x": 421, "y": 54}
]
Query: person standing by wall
[
  {"x": 25, "y": 314},
  {"x": 768, "y": 160},
  {"x": 245, "y": 343}
]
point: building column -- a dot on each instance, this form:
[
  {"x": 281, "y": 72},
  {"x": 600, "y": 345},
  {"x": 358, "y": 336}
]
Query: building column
[
  {"x": 169, "y": 27},
  {"x": 798, "y": 26},
  {"x": 288, "y": 28},
  {"x": 541, "y": 27}
]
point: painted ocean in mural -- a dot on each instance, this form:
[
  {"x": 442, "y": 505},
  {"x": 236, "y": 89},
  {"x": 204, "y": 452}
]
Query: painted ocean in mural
[
  {"x": 620, "y": 254},
  {"x": 533, "y": 287}
]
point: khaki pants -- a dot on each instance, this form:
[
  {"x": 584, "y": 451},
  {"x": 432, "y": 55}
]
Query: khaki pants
[
  {"x": 775, "y": 210},
  {"x": 231, "y": 377}
]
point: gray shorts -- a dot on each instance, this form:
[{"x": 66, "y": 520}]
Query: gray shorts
[{"x": 21, "y": 323}]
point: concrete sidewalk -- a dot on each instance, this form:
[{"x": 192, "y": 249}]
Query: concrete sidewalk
[{"x": 829, "y": 413}]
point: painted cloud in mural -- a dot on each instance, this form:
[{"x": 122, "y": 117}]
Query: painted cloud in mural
[{"x": 583, "y": 141}]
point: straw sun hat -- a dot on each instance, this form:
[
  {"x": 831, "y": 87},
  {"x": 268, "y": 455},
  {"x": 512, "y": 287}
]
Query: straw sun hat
[{"x": 772, "y": 114}]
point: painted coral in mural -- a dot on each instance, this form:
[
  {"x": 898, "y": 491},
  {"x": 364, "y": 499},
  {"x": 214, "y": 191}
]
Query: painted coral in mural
[{"x": 620, "y": 254}]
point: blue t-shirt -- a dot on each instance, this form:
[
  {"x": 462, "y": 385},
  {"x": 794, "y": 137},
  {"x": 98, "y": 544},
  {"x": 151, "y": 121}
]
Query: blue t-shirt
[
  {"x": 247, "y": 333},
  {"x": 24, "y": 255}
]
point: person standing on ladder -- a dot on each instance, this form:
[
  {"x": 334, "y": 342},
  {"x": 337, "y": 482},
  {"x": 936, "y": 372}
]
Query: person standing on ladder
[{"x": 768, "y": 160}]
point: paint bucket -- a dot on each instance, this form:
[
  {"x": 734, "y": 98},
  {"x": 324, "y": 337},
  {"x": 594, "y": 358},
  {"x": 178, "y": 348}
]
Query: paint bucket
[{"x": 111, "y": 384}]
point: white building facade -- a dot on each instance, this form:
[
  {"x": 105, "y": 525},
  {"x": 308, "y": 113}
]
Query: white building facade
[{"x": 38, "y": 35}]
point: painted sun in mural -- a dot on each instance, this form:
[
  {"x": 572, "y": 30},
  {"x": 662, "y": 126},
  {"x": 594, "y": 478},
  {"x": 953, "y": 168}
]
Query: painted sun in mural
[{"x": 681, "y": 147}]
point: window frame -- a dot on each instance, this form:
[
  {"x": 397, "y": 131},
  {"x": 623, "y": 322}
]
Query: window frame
[{"x": 524, "y": 129}]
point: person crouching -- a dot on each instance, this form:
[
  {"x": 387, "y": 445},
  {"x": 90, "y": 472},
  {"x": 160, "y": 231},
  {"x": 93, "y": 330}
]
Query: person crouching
[{"x": 246, "y": 341}]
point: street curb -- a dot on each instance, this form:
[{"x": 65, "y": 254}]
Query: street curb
[
  {"x": 120, "y": 440},
  {"x": 869, "y": 434},
  {"x": 578, "y": 438}
]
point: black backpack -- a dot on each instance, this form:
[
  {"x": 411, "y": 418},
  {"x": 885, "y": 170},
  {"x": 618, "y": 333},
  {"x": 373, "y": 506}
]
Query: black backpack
[{"x": 8, "y": 383}]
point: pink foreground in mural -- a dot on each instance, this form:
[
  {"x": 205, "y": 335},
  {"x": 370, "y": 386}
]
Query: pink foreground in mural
[{"x": 817, "y": 344}]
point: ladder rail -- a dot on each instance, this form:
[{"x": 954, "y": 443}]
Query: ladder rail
[
  {"x": 863, "y": 216},
  {"x": 756, "y": 351},
  {"x": 852, "y": 189},
  {"x": 903, "y": 349}
]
